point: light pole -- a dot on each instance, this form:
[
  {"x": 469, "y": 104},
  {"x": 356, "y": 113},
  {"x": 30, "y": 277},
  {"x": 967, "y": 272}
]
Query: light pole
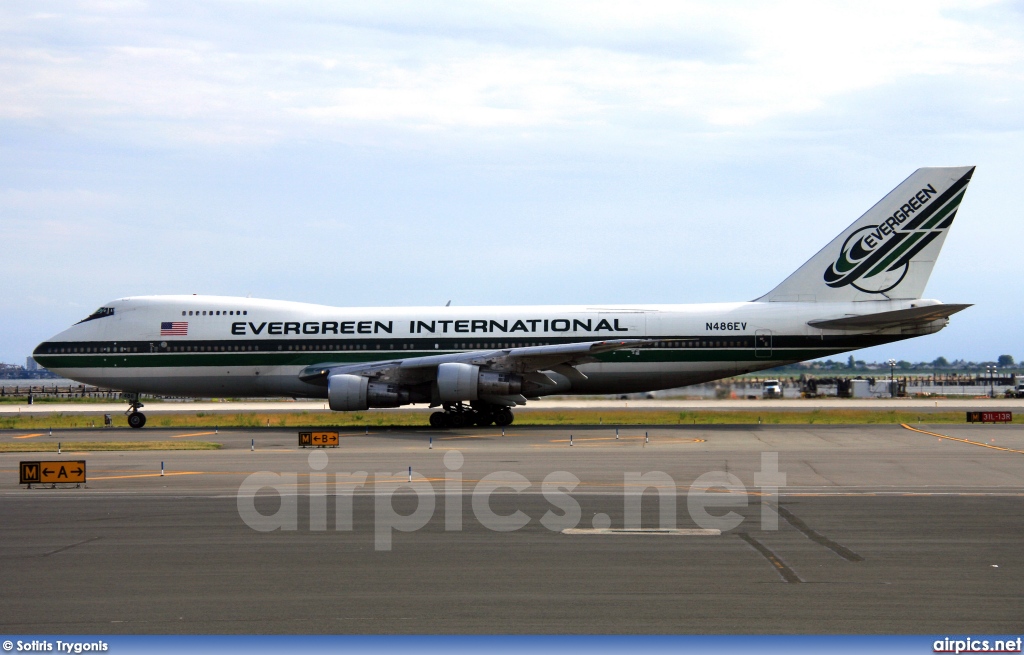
[
  {"x": 892, "y": 378},
  {"x": 992, "y": 379}
]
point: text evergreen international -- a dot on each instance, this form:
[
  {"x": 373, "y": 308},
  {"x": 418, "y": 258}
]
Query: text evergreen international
[{"x": 447, "y": 326}]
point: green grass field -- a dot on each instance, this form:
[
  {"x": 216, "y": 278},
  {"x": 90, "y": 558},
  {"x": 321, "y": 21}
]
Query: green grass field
[{"x": 610, "y": 417}]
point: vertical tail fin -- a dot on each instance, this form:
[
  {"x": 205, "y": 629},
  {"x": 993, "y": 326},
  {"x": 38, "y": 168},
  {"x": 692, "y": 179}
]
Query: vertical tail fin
[{"x": 888, "y": 252}]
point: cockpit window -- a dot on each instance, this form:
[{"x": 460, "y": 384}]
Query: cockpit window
[{"x": 99, "y": 313}]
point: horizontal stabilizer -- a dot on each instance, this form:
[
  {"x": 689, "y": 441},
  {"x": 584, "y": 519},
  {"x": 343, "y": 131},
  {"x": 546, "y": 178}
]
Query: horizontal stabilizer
[{"x": 882, "y": 320}]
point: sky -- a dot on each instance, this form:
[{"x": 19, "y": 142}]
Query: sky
[{"x": 412, "y": 153}]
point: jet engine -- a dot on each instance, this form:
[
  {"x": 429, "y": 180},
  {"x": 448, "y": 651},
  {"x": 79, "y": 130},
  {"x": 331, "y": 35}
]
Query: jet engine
[
  {"x": 355, "y": 392},
  {"x": 465, "y": 382}
]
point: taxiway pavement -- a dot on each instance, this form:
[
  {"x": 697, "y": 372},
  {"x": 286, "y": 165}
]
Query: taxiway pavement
[{"x": 880, "y": 529}]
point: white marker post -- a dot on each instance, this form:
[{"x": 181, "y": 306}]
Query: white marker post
[
  {"x": 570, "y": 439},
  {"x": 58, "y": 448},
  {"x": 161, "y": 469},
  {"x": 252, "y": 446},
  {"x": 616, "y": 434},
  {"x": 431, "y": 446},
  {"x": 647, "y": 439},
  {"x": 51, "y": 432},
  {"x": 410, "y": 474}
]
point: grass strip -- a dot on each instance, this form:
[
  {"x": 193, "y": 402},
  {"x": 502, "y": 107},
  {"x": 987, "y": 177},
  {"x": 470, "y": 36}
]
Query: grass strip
[
  {"x": 79, "y": 446},
  {"x": 55, "y": 400},
  {"x": 525, "y": 416}
]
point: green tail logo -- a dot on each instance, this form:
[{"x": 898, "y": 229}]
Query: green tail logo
[{"x": 875, "y": 258}]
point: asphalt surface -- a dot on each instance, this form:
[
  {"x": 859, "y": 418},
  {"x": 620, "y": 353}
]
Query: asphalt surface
[{"x": 880, "y": 529}]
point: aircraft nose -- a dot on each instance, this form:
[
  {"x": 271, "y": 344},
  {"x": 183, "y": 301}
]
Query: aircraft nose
[
  {"x": 45, "y": 351},
  {"x": 42, "y": 348}
]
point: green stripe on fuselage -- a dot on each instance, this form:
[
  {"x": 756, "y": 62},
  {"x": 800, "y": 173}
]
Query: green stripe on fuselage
[{"x": 221, "y": 360}]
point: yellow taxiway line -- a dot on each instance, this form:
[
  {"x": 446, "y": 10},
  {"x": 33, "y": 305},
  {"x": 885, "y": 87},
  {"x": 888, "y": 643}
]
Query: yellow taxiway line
[
  {"x": 191, "y": 434},
  {"x": 146, "y": 475},
  {"x": 968, "y": 441}
]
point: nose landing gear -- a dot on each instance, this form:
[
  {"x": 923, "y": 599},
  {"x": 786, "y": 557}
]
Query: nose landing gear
[
  {"x": 136, "y": 419},
  {"x": 461, "y": 415}
]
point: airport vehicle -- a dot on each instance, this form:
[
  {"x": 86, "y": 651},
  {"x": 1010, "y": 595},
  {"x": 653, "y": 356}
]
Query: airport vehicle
[
  {"x": 1016, "y": 391},
  {"x": 477, "y": 363},
  {"x": 771, "y": 389}
]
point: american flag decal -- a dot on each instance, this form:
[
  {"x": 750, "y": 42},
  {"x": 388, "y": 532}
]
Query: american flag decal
[{"x": 175, "y": 329}]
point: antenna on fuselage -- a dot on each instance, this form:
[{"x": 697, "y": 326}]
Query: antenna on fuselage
[{"x": 448, "y": 304}]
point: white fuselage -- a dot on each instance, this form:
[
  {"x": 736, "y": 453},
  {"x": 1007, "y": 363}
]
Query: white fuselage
[{"x": 203, "y": 346}]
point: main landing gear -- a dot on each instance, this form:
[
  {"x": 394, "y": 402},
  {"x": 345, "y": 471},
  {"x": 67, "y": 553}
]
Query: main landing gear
[
  {"x": 461, "y": 415},
  {"x": 136, "y": 419}
]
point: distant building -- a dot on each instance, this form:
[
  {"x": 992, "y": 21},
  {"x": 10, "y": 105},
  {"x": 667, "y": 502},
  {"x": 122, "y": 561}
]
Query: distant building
[{"x": 30, "y": 364}]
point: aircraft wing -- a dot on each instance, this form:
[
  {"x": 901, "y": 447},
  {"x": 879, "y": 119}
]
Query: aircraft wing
[
  {"x": 881, "y": 320},
  {"x": 528, "y": 359}
]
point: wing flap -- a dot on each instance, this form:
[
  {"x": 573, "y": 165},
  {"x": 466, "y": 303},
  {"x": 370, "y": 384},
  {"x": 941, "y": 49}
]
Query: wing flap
[{"x": 561, "y": 357}]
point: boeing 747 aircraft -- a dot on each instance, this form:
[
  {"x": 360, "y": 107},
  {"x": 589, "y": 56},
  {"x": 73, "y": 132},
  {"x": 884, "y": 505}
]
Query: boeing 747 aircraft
[{"x": 477, "y": 363}]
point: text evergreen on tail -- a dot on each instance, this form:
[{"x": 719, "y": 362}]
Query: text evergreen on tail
[{"x": 889, "y": 252}]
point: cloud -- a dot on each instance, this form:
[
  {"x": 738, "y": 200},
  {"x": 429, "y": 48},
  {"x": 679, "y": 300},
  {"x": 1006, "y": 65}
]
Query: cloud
[
  {"x": 494, "y": 152},
  {"x": 56, "y": 200},
  {"x": 269, "y": 72}
]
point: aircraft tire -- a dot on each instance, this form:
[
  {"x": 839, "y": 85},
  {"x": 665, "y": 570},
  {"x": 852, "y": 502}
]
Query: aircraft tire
[
  {"x": 483, "y": 420},
  {"x": 136, "y": 420},
  {"x": 438, "y": 420},
  {"x": 504, "y": 417}
]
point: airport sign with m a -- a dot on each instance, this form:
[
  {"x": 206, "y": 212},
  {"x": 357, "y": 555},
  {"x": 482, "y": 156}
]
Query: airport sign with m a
[{"x": 52, "y": 472}]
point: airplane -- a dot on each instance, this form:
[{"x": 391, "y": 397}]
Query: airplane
[{"x": 478, "y": 363}]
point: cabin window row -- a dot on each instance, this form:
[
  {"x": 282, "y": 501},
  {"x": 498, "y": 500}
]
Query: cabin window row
[
  {"x": 93, "y": 349},
  {"x": 206, "y": 349},
  {"x": 210, "y": 312},
  {"x": 317, "y": 347}
]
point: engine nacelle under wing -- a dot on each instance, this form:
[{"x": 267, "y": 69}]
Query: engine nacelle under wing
[
  {"x": 466, "y": 382},
  {"x": 347, "y": 393}
]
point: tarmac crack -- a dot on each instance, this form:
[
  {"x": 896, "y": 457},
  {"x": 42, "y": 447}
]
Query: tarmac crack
[
  {"x": 783, "y": 569},
  {"x": 70, "y": 546},
  {"x": 817, "y": 537},
  {"x": 817, "y": 473}
]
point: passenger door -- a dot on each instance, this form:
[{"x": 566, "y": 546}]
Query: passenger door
[{"x": 763, "y": 344}]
